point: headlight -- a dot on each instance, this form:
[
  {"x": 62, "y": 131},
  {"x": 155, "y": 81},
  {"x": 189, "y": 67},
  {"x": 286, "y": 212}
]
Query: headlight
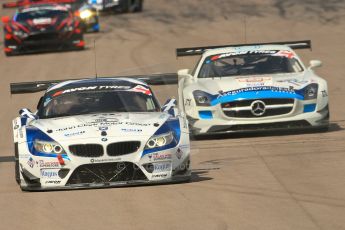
[
  {"x": 159, "y": 140},
  {"x": 68, "y": 28},
  {"x": 20, "y": 33},
  {"x": 201, "y": 98},
  {"x": 85, "y": 14},
  {"x": 310, "y": 92},
  {"x": 49, "y": 147}
]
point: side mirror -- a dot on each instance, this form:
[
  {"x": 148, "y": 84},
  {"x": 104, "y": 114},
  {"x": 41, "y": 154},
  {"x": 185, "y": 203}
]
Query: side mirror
[
  {"x": 315, "y": 64},
  {"x": 5, "y": 19},
  {"x": 26, "y": 113},
  {"x": 183, "y": 72},
  {"x": 170, "y": 107}
]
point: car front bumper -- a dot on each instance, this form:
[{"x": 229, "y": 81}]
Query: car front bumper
[
  {"x": 75, "y": 41},
  {"x": 317, "y": 119},
  {"x": 39, "y": 173}
]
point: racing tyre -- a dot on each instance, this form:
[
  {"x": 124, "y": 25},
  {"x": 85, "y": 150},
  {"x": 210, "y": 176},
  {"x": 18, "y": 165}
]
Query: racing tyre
[
  {"x": 131, "y": 6},
  {"x": 139, "y": 6},
  {"x": 9, "y": 54},
  {"x": 17, "y": 172},
  {"x": 125, "y": 5},
  {"x": 16, "y": 165}
]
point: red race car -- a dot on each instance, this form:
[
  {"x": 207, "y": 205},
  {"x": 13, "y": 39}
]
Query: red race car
[
  {"x": 29, "y": 2},
  {"x": 42, "y": 27}
]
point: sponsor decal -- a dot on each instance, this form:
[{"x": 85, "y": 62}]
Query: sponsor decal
[
  {"x": 24, "y": 156},
  {"x": 179, "y": 153},
  {"x": 324, "y": 93},
  {"x": 53, "y": 182},
  {"x": 285, "y": 53},
  {"x": 160, "y": 176},
  {"x": 255, "y": 81},
  {"x": 188, "y": 102},
  {"x": 42, "y": 21},
  {"x": 105, "y": 160},
  {"x": 102, "y": 124},
  {"x": 31, "y": 162},
  {"x": 74, "y": 90},
  {"x": 50, "y": 173},
  {"x": 160, "y": 156},
  {"x": 132, "y": 130},
  {"x": 74, "y": 134},
  {"x": 162, "y": 167},
  {"x": 142, "y": 89},
  {"x": 230, "y": 54},
  {"x": 48, "y": 164},
  {"x": 261, "y": 88},
  {"x": 105, "y": 120},
  {"x": 122, "y": 87},
  {"x": 161, "y": 170},
  {"x": 138, "y": 88},
  {"x": 297, "y": 82},
  {"x": 21, "y": 134},
  {"x": 59, "y": 7}
]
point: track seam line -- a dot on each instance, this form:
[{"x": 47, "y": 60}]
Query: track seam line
[{"x": 286, "y": 189}]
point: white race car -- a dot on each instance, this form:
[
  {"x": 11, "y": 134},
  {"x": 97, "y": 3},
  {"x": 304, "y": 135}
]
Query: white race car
[
  {"x": 103, "y": 132},
  {"x": 252, "y": 87},
  {"x": 118, "y": 5}
]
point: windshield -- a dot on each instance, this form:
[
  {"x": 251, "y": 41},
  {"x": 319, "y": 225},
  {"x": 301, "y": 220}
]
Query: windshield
[
  {"x": 41, "y": 13},
  {"x": 79, "y": 103},
  {"x": 250, "y": 63}
]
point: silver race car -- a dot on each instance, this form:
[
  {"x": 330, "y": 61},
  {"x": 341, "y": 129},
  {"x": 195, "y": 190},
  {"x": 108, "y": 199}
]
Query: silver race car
[
  {"x": 252, "y": 87},
  {"x": 93, "y": 133}
]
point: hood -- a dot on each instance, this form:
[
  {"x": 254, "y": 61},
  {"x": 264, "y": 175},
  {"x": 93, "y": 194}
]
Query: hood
[
  {"x": 293, "y": 81},
  {"x": 102, "y": 125}
]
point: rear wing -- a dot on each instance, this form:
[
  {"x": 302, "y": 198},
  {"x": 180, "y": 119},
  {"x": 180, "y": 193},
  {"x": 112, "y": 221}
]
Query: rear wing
[
  {"x": 193, "y": 51},
  {"x": 38, "y": 86},
  {"x": 21, "y": 3}
]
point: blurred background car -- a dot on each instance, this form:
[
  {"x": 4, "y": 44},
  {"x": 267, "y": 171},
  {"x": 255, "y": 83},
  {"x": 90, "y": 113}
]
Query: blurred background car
[
  {"x": 42, "y": 27},
  {"x": 87, "y": 14}
]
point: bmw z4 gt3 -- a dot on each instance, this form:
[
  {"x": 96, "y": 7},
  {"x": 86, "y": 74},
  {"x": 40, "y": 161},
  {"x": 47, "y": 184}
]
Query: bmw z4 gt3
[{"x": 101, "y": 132}]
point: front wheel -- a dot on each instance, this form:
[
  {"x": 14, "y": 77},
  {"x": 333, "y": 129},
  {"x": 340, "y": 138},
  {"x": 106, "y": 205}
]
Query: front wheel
[
  {"x": 16, "y": 165},
  {"x": 131, "y": 6}
]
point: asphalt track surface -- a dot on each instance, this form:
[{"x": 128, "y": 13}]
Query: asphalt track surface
[{"x": 293, "y": 181}]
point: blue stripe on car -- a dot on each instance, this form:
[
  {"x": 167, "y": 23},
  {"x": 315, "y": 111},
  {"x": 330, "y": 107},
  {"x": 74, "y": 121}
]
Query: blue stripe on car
[
  {"x": 33, "y": 134},
  {"x": 309, "y": 108},
  {"x": 171, "y": 125},
  {"x": 205, "y": 114},
  {"x": 264, "y": 94}
]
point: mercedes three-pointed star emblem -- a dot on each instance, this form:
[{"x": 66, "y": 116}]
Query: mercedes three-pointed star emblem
[{"x": 258, "y": 108}]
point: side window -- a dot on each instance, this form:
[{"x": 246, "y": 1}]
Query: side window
[
  {"x": 295, "y": 65},
  {"x": 196, "y": 66},
  {"x": 39, "y": 103}
]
